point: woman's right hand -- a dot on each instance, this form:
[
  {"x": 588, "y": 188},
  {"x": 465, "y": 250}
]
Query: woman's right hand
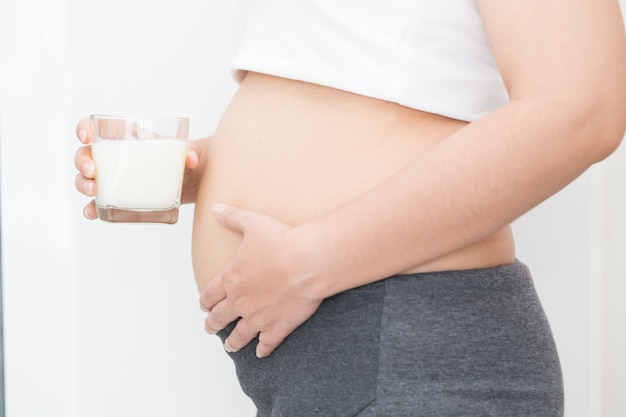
[{"x": 85, "y": 179}]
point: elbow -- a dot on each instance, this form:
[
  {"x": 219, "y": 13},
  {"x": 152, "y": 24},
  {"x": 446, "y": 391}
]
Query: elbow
[
  {"x": 610, "y": 109},
  {"x": 601, "y": 121},
  {"x": 609, "y": 133}
]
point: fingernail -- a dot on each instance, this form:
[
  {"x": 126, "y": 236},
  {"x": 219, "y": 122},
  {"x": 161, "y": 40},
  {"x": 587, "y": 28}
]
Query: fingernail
[
  {"x": 88, "y": 188},
  {"x": 259, "y": 355},
  {"x": 88, "y": 169},
  {"x": 203, "y": 309},
  {"x": 82, "y": 135},
  {"x": 218, "y": 208},
  {"x": 206, "y": 328},
  {"x": 227, "y": 348}
]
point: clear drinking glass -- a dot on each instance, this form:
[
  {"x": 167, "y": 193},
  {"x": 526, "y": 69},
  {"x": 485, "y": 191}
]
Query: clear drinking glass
[{"x": 140, "y": 162}]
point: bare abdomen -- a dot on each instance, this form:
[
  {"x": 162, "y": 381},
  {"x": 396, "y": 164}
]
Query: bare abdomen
[{"x": 295, "y": 151}]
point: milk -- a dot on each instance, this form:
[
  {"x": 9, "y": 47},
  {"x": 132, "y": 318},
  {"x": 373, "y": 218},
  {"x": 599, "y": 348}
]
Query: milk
[{"x": 139, "y": 174}]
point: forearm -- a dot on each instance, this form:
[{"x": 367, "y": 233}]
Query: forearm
[
  {"x": 468, "y": 187},
  {"x": 566, "y": 75}
]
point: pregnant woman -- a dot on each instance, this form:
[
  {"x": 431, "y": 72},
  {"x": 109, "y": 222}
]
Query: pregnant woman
[{"x": 352, "y": 241}]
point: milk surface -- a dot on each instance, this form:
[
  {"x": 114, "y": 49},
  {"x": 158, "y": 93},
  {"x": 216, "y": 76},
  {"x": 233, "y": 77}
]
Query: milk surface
[{"x": 139, "y": 174}]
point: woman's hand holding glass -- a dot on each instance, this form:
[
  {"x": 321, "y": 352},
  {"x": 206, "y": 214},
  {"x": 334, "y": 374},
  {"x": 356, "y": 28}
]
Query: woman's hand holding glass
[{"x": 85, "y": 179}]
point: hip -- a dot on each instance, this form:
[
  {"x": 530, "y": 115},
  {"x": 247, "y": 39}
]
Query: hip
[{"x": 448, "y": 343}]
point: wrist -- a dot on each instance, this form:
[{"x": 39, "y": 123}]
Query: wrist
[
  {"x": 313, "y": 256},
  {"x": 337, "y": 253}
]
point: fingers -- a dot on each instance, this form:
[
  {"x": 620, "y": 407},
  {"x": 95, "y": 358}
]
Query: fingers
[
  {"x": 218, "y": 318},
  {"x": 233, "y": 218},
  {"x": 268, "y": 342},
  {"x": 84, "y": 131},
  {"x": 212, "y": 294},
  {"x": 213, "y": 300},
  {"x": 85, "y": 182},
  {"x": 90, "y": 210},
  {"x": 243, "y": 334},
  {"x": 85, "y": 185},
  {"x": 193, "y": 156},
  {"x": 240, "y": 337},
  {"x": 83, "y": 161}
]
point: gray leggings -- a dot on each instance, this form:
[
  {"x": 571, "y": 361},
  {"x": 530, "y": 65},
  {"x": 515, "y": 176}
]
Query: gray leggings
[{"x": 456, "y": 343}]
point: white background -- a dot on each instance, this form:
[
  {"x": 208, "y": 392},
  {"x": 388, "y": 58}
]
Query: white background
[{"x": 102, "y": 320}]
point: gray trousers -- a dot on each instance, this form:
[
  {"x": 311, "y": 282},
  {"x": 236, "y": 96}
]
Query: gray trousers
[{"x": 472, "y": 343}]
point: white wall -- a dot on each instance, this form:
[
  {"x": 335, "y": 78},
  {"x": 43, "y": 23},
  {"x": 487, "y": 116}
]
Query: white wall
[
  {"x": 557, "y": 241},
  {"x": 102, "y": 320},
  {"x": 38, "y": 268},
  {"x": 613, "y": 287}
]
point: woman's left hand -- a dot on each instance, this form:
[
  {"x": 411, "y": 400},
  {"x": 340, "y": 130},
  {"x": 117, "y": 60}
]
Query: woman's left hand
[{"x": 265, "y": 284}]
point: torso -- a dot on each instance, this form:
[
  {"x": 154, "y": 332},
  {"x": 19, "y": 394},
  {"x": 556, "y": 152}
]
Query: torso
[{"x": 296, "y": 150}]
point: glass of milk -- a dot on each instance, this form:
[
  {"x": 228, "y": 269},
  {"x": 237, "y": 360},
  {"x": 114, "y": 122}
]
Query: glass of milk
[{"x": 140, "y": 163}]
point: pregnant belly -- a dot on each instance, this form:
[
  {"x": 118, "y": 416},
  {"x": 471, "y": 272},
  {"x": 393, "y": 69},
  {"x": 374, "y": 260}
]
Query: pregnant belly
[{"x": 296, "y": 151}]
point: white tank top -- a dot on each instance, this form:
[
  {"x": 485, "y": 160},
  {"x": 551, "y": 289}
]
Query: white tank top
[{"x": 430, "y": 55}]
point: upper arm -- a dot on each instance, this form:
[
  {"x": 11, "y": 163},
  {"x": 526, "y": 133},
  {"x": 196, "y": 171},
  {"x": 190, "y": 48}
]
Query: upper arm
[
  {"x": 567, "y": 53},
  {"x": 548, "y": 44}
]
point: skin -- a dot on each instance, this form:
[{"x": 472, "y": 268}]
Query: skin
[{"x": 567, "y": 82}]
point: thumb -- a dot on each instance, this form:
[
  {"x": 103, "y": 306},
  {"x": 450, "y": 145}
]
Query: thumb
[
  {"x": 193, "y": 155},
  {"x": 233, "y": 218}
]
